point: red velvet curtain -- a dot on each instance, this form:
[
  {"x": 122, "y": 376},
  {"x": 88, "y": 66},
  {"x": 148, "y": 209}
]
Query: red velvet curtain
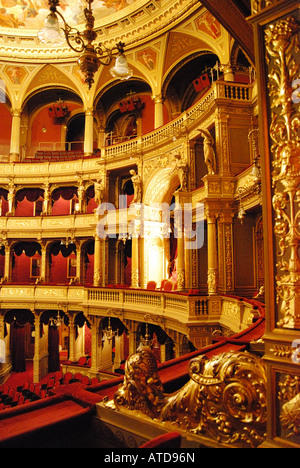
[
  {"x": 67, "y": 193},
  {"x": 32, "y": 194},
  {"x": 18, "y": 347},
  {"x": 53, "y": 349},
  {"x": 90, "y": 192},
  {"x": 30, "y": 248},
  {"x": 3, "y": 193},
  {"x": 57, "y": 248}
]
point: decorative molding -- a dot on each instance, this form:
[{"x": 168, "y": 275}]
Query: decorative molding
[
  {"x": 282, "y": 45},
  {"x": 224, "y": 400}
]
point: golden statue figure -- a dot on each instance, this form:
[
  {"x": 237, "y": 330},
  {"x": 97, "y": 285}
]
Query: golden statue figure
[{"x": 209, "y": 153}]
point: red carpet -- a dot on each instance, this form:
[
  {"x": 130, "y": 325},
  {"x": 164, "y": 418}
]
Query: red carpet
[{"x": 17, "y": 379}]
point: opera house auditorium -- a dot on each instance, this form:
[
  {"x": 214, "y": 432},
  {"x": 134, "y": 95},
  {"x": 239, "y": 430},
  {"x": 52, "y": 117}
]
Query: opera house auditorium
[{"x": 149, "y": 225}]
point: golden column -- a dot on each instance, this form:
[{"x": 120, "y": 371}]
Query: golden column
[
  {"x": 7, "y": 261},
  {"x": 36, "y": 357},
  {"x": 72, "y": 356},
  {"x": 89, "y": 132},
  {"x": 135, "y": 260},
  {"x": 95, "y": 343},
  {"x": 212, "y": 253},
  {"x": 98, "y": 261},
  {"x": 14, "y": 154},
  {"x": 225, "y": 252},
  {"x": 158, "y": 111},
  {"x": 43, "y": 269},
  {"x": 276, "y": 27}
]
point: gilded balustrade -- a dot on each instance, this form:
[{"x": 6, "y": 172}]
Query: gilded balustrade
[
  {"x": 175, "y": 309},
  {"x": 188, "y": 120}
]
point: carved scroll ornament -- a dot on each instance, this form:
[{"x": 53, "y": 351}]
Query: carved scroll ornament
[{"x": 225, "y": 398}]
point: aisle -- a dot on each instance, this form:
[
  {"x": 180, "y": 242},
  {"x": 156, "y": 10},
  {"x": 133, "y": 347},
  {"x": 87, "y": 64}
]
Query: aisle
[{"x": 17, "y": 379}]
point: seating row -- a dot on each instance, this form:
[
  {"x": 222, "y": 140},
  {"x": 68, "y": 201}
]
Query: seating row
[
  {"x": 10, "y": 397},
  {"x": 41, "y": 156},
  {"x": 28, "y": 392},
  {"x": 84, "y": 361},
  {"x": 166, "y": 285},
  {"x": 59, "y": 378}
]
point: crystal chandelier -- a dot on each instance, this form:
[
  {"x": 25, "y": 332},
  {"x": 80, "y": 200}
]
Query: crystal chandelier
[{"x": 91, "y": 56}]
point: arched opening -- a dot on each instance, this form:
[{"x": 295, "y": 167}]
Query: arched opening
[
  {"x": 115, "y": 346},
  {"x": 64, "y": 200},
  {"x": 20, "y": 329},
  {"x": 88, "y": 250},
  {"x": 75, "y": 133},
  {"x": 63, "y": 262},
  {"x": 161, "y": 344},
  {"x": 29, "y": 202},
  {"x": 47, "y": 112},
  {"x": 26, "y": 262},
  {"x": 3, "y": 202},
  {"x": 56, "y": 330},
  {"x": 183, "y": 87},
  {"x": 129, "y": 110}
]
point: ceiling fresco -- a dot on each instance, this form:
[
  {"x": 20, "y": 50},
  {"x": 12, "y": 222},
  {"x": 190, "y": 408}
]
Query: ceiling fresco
[{"x": 30, "y": 14}]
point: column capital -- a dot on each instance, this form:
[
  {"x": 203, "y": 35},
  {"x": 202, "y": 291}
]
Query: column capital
[
  {"x": 226, "y": 216},
  {"x": 158, "y": 98},
  {"x": 89, "y": 111},
  {"x": 16, "y": 112}
]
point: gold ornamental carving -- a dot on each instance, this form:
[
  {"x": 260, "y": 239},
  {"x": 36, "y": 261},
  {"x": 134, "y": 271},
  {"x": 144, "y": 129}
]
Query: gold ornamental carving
[
  {"x": 259, "y": 5},
  {"x": 142, "y": 389},
  {"x": 282, "y": 45},
  {"x": 289, "y": 396},
  {"x": 225, "y": 398}
]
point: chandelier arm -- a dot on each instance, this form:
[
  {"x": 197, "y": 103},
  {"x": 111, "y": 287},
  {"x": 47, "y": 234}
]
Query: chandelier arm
[
  {"x": 73, "y": 33},
  {"x": 104, "y": 55}
]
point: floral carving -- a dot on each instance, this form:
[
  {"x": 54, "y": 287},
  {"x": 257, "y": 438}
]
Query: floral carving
[
  {"x": 225, "y": 398},
  {"x": 281, "y": 40}
]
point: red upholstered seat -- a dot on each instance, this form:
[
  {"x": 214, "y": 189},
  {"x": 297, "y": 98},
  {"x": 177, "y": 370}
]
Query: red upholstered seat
[
  {"x": 82, "y": 361},
  {"x": 67, "y": 377},
  {"x": 168, "y": 285},
  {"x": 151, "y": 285}
]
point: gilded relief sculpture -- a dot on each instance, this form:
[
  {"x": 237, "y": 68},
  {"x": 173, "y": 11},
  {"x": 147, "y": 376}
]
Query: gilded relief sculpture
[
  {"x": 282, "y": 44},
  {"x": 142, "y": 389},
  {"x": 225, "y": 398}
]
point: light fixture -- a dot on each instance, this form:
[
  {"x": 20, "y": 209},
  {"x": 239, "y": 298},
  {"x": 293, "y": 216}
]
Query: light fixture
[
  {"x": 146, "y": 342},
  {"x": 108, "y": 332},
  {"x": 121, "y": 70},
  {"x": 91, "y": 56},
  {"x": 70, "y": 239},
  {"x": 255, "y": 173},
  {"x": 241, "y": 212},
  {"x": 55, "y": 321}
]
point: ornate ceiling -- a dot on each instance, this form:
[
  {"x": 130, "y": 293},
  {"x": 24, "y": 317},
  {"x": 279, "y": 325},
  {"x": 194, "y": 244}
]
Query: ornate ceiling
[
  {"x": 30, "y": 14},
  {"x": 130, "y": 21}
]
